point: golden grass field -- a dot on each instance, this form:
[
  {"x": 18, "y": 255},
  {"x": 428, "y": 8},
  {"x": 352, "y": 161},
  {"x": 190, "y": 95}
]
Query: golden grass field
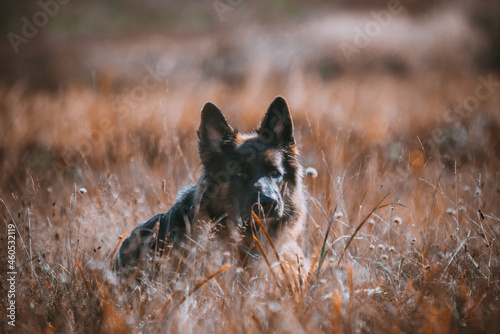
[
  {"x": 84, "y": 164},
  {"x": 427, "y": 260}
]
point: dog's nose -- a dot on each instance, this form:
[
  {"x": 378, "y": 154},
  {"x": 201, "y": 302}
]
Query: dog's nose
[{"x": 267, "y": 202}]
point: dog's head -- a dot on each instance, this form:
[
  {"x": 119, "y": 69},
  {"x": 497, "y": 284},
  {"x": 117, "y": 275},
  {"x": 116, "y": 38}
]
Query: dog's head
[{"x": 248, "y": 172}]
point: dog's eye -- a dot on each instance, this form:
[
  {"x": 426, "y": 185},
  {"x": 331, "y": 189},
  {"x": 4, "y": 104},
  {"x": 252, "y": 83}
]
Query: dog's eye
[
  {"x": 240, "y": 175},
  {"x": 275, "y": 173}
]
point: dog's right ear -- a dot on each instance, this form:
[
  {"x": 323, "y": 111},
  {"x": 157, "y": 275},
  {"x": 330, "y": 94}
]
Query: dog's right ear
[
  {"x": 277, "y": 126},
  {"x": 215, "y": 133}
]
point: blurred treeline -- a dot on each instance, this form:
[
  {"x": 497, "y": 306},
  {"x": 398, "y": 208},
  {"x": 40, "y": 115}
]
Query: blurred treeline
[{"x": 104, "y": 19}]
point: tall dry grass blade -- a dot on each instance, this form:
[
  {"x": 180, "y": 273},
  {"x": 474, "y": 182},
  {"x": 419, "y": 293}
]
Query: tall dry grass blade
[
  {"x": 323, "y": 253},
  {"x": 360, "y": 226},
  {"x": 455, "y": 254},
  {"x": 80, "y": 270},
  {"x": 268, "y": 237},
  {"x": 336, "y": 312},
  {"x": 17, "y": 229},
  {"x": 423, "y": 264},
  {"x": 115, "y": 250},
  {"x": 395, "y": 204},
  {"x": 205, "y": 280},
  {"x": 196, "y": 288},
  {"x": 294, "y": 277},
  {"x": 266, "y": 259},
  {"x": 178, "y": 270},
  {"x": 261, "y": 249},
  {"x": 309, "y": 274},
  {"x": 167, "y": 303},
  {"x": 299, "y": 271},
  {"x": 433, "y": 204},
  {"x": 350, "y": 284},
  {"x": 158, "y": 312}
]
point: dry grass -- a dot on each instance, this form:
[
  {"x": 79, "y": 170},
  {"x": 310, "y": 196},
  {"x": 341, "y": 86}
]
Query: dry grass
[{"x": 425, "y": 260}]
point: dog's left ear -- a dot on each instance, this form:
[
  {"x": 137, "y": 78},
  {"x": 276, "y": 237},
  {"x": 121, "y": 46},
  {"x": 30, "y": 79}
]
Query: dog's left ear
[{"x": 277, "y": 125}]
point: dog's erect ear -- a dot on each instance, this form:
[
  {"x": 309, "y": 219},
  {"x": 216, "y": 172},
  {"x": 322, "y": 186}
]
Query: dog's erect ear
[
  {"x": 215, "y": 133},
  {"x": 277, "y": 126}
]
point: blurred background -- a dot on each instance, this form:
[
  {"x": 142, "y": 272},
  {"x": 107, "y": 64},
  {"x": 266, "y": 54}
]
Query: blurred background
[{"x": 54, "y": 43}]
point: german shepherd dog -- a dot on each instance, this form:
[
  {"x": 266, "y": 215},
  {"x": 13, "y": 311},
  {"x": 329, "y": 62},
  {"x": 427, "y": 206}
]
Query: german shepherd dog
[{"x": 241, "y": 173}]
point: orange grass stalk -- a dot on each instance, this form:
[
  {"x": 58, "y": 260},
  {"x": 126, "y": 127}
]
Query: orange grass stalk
[
  {"x": 178, "y": 270},
  {"x": 261, "y": 249},
  {"x": 80, "y": 270},
  {"x": 350, "y": 282},
  {"x": 423, "y": 264},
  {"x": 167, "y": 303},
  {"x": 313, "y": 263},
  {"x": 197, "y": 287},
  {"x": 160, "y": 311},
  {"x": 336, "y": 315},
  {"x": 295, "y": 282},
  {"x": 298, "y": 269},
  {"x": 118, "y": 246},
  {"x": 323, "y": 252},
  {"x": 268, "y": 237},
  {"x": 205, "y": 280},
  {"x": 257, "y": 242},
  {"x": 360, "y": 226}
]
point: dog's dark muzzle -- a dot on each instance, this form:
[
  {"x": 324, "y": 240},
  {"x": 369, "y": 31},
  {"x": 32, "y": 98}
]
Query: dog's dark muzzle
[{"x": 266, "y": 206}]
